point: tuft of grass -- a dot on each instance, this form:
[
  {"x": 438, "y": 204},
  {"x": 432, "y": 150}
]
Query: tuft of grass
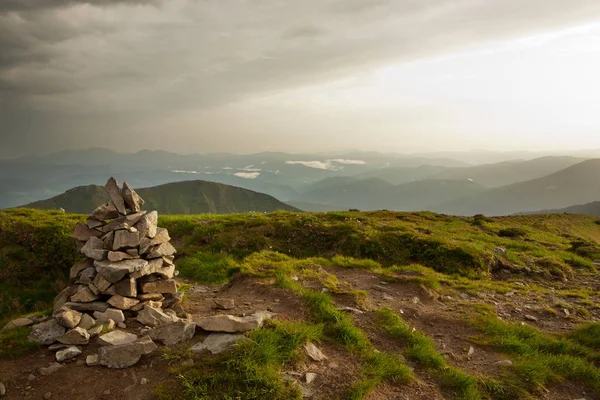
[
  {"x": 251, "y": 371},
  {"x": 208, "y": 268},
  {"x": 587, "y": 335},
  {"x": 14, "y": 343},
  {"x": 421, "y": 349},
  {"x": 175, "y": 355}
]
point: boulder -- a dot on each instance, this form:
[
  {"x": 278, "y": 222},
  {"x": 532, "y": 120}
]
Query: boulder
[
  {"x": 117, "y": 338},
  {"x": 224, "y": 304},
  {"x": 147, "y": 225},
  {"x": 126, "y": 240},
  {"x": 126, "y": 287},
  {"x": 115, "y": 271},
  {"x": 83, "y": 233},
  {"x": 173, "y": 333},
  {"x": 121, "y": 302},
  {"x": 86, "y": 322},
  {"x": 153, "y": 317},
  {"x": 313, "y": 352},
  {"x": 68, "y": 353},
  {"x": 75, "y": 336},
  {"x": 105, "y": 211},
  {"x": 94, "y": 248},
  {"x": 112, "y": 187},
  {"x": 231, "y": 324},
  {"x": 125, "y": 355},
  {"x": 93, "y": 306},
  {"x": 165, "y": 249},
  {"x": 110, "y": 314},
  {"x": 217, "y": 343},
  {"x": 84, "y": 295},
  {"x": 132, "y": 199},
  {"x": 16, "y": 323},
  {"x": 67, "y": 317},
  {"x": 115, "y": 256},
  {"x": 80, "y": 266},
  {"x": 168, "y": 286}
]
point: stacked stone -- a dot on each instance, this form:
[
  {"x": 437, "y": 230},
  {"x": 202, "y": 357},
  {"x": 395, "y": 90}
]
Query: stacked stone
[{"x": 128, "y": 273}]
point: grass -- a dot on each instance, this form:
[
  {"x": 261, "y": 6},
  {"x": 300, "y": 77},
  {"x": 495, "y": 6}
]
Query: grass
[
  {"x": 421, "y": 349},
  {"x": 251, "y": 371},
  {"x": 542, "y": 359},
  {"x": 14, "y": 343}
]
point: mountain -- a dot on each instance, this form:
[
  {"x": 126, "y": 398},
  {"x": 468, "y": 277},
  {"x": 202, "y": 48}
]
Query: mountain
[
  {"x": 377, "y": 194},
  {"x": 188, "y": 197},
  {"x": 592, "y": 208},
  {"x": 509, "y": 172},
  {"x": 577, "y": 184}
]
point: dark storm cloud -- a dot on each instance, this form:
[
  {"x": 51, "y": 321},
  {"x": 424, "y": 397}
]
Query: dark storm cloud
[{"x": 122, "y": 59}]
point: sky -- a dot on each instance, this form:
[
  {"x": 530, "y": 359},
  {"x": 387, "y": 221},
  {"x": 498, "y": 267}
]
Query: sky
[{"x": 242, "y": 76}]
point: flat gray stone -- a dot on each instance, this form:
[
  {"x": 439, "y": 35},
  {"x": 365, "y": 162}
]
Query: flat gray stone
[
  {"x": 75, "y": 336},
  {"x": 173, "y": 333},
  {"x": 314, "y": 353},
  {"x": 95, "y": 330},
  {"x": 224, "y": 304},
  {"x": 165, "y": 249},
  {"x": 115, "y": 271},
  {"x": 80, "y": 266},
  {"x": 110, "y": 314},
  {"x": 92, "y": 360},
  {"x": 93, "y": 306},
  {"x": 86, "y": 322},
  {"x": 84, "y": 295},
  {"x": 101, "y": 283},
  {"x": 126, "y": 287},
  {"x": 232, "y": 324},
  {"x": 122, "y": 303},
  {"x": 49, "y": 370},
  {"x": 83, "y": 233},
  {"x": 104, "y": 212},
  {"x": 68, "y": 353},
  {"x": 117, "y": 338},
  {"x": 115, "y": 256},
  {"x": 126, "y": 240},
  {"x": 153, "y": 317},
  {"x": 125, "y": 355},
  {"x": 94, "y": 223},
  {"x": 161, "y": 286},
  {"x": 94, "y": 248},
  {"x": 17, "y": 323},
  {"x": 87, "y": 276},
  {"x": 217, "y": 343},
  {"x": 162, "y": 236},
  {"x": 153, "y": 266}
]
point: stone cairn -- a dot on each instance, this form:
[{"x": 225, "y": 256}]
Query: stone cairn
[{"x": 128, "y": 274}]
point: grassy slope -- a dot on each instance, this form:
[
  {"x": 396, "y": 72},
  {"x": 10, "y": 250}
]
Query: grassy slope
[
  {"x": 36, "y": 250},
  {"x": 189, "y": 197}
]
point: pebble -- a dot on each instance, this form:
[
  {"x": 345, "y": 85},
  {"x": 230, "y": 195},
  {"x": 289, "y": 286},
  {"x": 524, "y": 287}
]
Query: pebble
[
  {"x": 471, "y": 351},
  {"x": 143, "y": 381},
  {"x": 2, "y": 390},
  {"x": 531, "y": 317},
  {"x": 503, "y": 363},
  {"x": 31, "y": 377},
  {"x": 48, "y": 396},
  {"x": 310, "y": 377}
]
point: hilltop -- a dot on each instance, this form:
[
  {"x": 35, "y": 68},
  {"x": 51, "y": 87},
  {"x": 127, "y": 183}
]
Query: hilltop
[
  {"x": 189, "y": 197},
  {"x": 403, "y": 305}
]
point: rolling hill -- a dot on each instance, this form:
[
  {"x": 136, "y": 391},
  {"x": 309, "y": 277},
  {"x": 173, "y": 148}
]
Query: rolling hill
[
  {"x": 578, "y": 184},
  {"x": 377, "y": 194},
  {"x": 188, "y": 197},
  {"x": 592, "y": 208}
]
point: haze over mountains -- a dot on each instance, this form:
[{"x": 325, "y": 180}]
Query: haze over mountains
[{"x": 311, "y": 182}]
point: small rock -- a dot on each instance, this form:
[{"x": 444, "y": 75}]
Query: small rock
[
  {"x": 95, "y": 330},
  {"x": 49, "y": 370},
  {"x": 387, "y": 297},
  {"x": 2, "y": 390},
  {"x": 57, "y": 346},
  {"x": 48, "y": 396},
  {"x": 224, "y": 304},
  {"x": 16, "y": 323},
  {"x": 217, "y": 343},
  {"x": 314, "y": 353},
  {"x": 31, "y": 377},
  {"x": 68, "y": 353},
  {"x": 471, "y": 351},
  {"x": 310, "y": 377},
  {"x": 122, "y": 325},
  {"x": 68, "y": 318},
  {"x": 150, "y": 316},
  {"x": 143, "y": 381},
  {"x": 500, "y": 250},
  {"x": 503, "y": 363},
  {"x": 163, "y": 286},
  {"x": 110, "y": 314},
  {"x": 351, "y": 309},
  {"x": 116, "y": 338},
  {"x": 92, "y": 360},
  {"x": 567, "y": 312},
  {"x": 121, "y": 302},
  {"x": 86, "y": 322},
  {"x": 416, "y": 300},
  {"x": 75, "y": 336},
  {"x": 231, "y": 324},
  {"x": 531, "y": 318}
]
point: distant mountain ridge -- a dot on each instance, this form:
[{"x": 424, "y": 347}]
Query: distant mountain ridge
[
  {"x": 188, "y": 197},
  {"x": 592, "y": 208}
]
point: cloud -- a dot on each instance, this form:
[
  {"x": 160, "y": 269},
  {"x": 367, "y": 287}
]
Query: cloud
[
  {"x": 112, "y": 64},
  {"x": 247, "y": 175}
]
